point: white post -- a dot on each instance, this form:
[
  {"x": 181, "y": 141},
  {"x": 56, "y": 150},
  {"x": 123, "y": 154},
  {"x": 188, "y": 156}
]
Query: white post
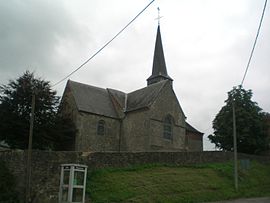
[
  {"x": 84, "y": 183},
  {"x": 61, "y": 185}
]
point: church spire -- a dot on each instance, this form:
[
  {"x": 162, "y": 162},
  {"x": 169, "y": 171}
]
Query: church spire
[{"x": 159, "y": 71}]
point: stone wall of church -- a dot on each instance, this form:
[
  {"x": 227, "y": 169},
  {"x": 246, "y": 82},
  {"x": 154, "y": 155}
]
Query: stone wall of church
[
  {"x": 167, "y": 104},
  {"x": 89, "y": 140},
  {"x": 143, "y": 129},
  {"x": 135, "y": 131},
  {"x": 159, "y": 143},
  {"x": 69, "y": 110}
]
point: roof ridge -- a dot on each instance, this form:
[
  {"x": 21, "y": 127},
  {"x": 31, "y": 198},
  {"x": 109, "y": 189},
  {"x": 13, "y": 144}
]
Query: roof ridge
[
  {"x": 144, "y": 97},
  {"x": 156, "y": 96},
  {"x": 84, "y": 84},
  {"x": 149, "y": 86},
  {"x": 126, "y": 100}
]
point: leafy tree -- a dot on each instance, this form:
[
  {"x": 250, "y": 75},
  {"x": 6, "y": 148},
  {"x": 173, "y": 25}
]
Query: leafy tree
[
  {"x": 251, "y": 128},
  {"x": 15, "y": 110}
]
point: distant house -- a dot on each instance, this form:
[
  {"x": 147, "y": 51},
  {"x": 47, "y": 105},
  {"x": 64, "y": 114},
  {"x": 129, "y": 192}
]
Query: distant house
[
  {"x": 148, "y": 119},
  {"x": 4, "y": 146},
  {"x": 193, "y": 139}
]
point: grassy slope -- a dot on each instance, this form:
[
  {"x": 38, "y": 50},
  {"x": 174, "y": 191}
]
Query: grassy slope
[{"x": 177, "y": 184}]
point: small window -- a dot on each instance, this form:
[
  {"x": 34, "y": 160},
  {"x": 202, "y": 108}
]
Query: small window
[
  {"x": 101, "y": 127},
  {"x": 167, "y": 127}
]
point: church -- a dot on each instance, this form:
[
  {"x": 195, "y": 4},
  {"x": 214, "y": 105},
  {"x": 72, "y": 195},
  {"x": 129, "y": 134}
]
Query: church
[{"x": 145, "y": 120}]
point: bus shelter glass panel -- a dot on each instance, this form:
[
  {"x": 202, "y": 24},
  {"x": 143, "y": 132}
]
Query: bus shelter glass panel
[{"x": 72, "y": 183}]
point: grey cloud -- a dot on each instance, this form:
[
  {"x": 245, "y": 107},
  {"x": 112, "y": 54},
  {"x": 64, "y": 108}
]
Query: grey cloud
[{"x": 30, "y": 33}]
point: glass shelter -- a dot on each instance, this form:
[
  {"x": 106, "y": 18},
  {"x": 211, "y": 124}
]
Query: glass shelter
[{"x": 72, "y": 183}]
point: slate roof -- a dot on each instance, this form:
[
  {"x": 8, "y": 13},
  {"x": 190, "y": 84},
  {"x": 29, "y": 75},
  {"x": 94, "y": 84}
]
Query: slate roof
[
  {"x": 97, "y": 100},
  {"x": 119, "y": 96},
  {"x": 144, "y": 97},
  {"x": 92, "y": 99}
]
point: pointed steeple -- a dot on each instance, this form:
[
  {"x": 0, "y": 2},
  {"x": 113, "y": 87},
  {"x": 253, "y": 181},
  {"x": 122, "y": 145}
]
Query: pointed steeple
[{"x": 159, "y": 71}]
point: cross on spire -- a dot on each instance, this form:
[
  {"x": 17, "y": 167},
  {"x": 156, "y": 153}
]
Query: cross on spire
[{"x": 159, "y": 17}]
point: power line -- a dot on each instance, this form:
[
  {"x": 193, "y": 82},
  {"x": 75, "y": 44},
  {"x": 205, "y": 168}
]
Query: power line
[
  {"x": 255, "y": 42},
  {"x": 106, "y": 44}
]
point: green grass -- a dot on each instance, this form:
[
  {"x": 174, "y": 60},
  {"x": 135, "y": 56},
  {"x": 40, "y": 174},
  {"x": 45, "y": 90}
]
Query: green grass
[{"x": 163, "y": 183}]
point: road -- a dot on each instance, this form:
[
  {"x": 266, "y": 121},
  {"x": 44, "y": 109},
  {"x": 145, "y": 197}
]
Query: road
[{"x": 250, "y": 200}]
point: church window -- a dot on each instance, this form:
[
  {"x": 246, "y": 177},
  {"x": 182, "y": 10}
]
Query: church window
[
  {"x": 167, "y": 127},
  {"x": 101, "y": 127}
]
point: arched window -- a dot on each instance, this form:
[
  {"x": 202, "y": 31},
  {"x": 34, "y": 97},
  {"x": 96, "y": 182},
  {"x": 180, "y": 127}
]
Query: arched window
[
  {"x": 168, "y": 127},
  {"x": 101, "y": 127}
]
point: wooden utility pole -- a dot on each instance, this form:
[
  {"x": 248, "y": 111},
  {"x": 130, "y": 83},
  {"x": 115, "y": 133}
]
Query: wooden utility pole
[
  {"x": 235, "y": 151},
  {"x": 29, "y": 155}
]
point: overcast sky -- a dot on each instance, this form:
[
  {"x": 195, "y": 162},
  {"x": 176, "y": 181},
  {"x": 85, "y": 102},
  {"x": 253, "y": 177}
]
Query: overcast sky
[{"x": 206, "y": 45}]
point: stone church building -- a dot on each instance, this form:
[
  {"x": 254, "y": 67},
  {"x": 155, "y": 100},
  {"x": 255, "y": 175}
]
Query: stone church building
[{"x": 148, "y": 119}]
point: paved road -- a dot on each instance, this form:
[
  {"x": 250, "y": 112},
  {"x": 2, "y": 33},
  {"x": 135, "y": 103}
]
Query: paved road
[{"x": 251, "y": 200}]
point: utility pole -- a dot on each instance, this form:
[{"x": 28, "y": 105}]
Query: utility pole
[
  {"x": 235, "y": 151},
  {"x": 29, "y": 155}
]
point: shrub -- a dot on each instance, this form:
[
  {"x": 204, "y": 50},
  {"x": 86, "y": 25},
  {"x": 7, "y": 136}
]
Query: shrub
[{"x": 7, "y": 185}]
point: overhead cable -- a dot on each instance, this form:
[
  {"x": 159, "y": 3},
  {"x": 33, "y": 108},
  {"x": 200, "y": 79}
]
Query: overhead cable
[
  {"x": 255, "y": 42},
  {"x": 106, "y": 44}
]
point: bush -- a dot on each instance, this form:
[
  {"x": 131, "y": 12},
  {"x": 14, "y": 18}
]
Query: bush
[{"x": 7, "y": 185}]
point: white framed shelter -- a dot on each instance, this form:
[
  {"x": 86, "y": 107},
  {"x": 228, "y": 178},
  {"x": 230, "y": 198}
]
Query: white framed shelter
[{"x": 72, "y": 183}]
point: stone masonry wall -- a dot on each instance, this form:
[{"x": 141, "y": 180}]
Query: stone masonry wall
[
  {"x": 87, "y": 138},
  {"x": 46, "y": 165},
  {"x": 167, "y": 104}
]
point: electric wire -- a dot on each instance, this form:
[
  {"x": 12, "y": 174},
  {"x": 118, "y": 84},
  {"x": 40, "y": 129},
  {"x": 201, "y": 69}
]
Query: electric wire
[
  {"x": 106, "y": 44},
  {"x": 254, "y": 44}
]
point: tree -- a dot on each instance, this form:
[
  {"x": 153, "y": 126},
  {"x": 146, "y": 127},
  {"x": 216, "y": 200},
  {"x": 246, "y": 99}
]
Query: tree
[
  {"x": 15, "y": 109},
  {"x": 63, "y": 134},
  {"x": 251, "y": 127}
]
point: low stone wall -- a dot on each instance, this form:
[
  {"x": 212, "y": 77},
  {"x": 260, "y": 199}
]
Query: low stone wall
[{"x": 46, "y": 165}]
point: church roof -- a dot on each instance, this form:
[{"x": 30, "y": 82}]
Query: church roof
[
  {"x": 92, "y": 99},
  {"x": 101, "y": 101},
  {"x": 120, "y": 97},
  {"x": 144, "y": 97},
  {"x": 159, "y": 70}
]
